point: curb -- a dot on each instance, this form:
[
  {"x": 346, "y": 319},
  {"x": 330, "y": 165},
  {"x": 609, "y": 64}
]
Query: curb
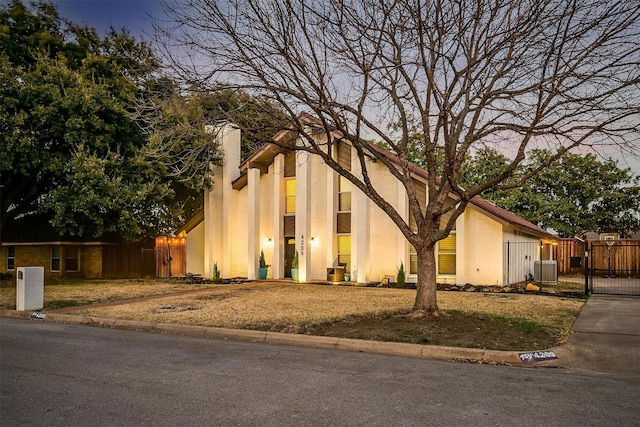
[{"x": 424, "y": 351}]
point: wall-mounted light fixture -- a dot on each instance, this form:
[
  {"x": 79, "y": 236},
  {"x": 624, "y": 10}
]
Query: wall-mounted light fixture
[
  {"x": 270, "y": 243},
  {"x": 314, "y": 242}
]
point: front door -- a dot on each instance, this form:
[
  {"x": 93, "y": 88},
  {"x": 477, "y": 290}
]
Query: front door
[{"x": 289, "y": 253}]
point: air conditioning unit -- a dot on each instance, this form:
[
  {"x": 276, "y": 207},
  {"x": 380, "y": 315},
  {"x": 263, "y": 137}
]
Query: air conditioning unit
[{"x": 545, "y": 271}]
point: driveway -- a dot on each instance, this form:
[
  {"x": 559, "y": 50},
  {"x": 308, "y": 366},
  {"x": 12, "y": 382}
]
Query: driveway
[{"x": 605, "y": 338}]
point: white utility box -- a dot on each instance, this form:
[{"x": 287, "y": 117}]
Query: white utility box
[{"x": 30, "y": 288}]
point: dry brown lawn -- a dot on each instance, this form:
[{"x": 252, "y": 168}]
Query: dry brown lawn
[
  {"x": 61, "y": 294},
  {"x": 487, "y": 320}
]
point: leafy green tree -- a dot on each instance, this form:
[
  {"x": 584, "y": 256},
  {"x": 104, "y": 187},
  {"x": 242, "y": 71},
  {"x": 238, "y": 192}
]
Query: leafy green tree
[
  {"x": 258, "y": 117},
  {"x": 577, "y": 194},
  {"x": 176, "y": 122},
  {"x": 68, "y": 144}
]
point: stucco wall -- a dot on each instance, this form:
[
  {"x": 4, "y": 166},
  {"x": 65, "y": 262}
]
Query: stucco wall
[
  {"x": 195, "y": 250},
  {"x": 266, "y": 217},
  {"x": 480, "y": 263},
  {"x": 318, "y": 219},
  {"x": 480, "y": 237},
  {"x": 237, "y": 232},
  {"x": 386, "y": 251}
]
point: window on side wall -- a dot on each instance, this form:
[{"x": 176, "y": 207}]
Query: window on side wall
[
  {"x": 447, "y": 256},
  {"x": 55, "y": 258},
  {"x": 413, "y": 260},
  {"x": 11, "y": 258}
]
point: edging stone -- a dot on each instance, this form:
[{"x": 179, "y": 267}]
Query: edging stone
[{"x": 325, "y": 342}]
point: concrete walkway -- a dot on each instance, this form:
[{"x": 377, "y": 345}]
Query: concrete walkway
[{"x": 605, "y": 339}]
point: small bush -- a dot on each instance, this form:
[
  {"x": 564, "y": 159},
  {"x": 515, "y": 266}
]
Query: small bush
[
  {"x": 400, "y": 277},
  {"x": 215, "y": 277}
]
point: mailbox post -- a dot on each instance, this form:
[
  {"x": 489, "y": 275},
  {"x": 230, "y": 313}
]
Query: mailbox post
[{"x": 30, "y": 288}]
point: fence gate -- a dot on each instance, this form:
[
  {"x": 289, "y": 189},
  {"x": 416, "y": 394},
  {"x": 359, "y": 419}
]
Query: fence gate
[{"x": 614, "y": 267}]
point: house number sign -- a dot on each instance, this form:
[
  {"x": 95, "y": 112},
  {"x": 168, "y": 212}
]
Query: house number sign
[
  {"x": 537, "y": 356},
  {"x": 302, "y": 245}
]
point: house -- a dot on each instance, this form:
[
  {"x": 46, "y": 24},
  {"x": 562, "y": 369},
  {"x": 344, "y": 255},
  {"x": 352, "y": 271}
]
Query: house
[
  {"x": 31, "y": 241},
  {"x": 281, "y": 202}
]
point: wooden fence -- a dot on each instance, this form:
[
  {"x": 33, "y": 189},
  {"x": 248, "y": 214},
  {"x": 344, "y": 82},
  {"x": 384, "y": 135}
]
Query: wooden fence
[
  {"x": 570, "y": 253},
  {"x": 171, "y": 256},
  {"x": 570, "y": 256},
  {"x": 126, "y": 261},
  {"x": 623, "y": 257}
]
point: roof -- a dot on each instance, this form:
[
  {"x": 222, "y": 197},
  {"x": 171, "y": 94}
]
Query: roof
[
  {"x": 262, "y": 157},
  {"x": 509, "y": 217},
  {"x": 192, "y": 222}
]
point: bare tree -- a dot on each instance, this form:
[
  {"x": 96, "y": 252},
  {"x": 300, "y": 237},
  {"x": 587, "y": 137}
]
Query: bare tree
[{"x": 446, "y": 76}]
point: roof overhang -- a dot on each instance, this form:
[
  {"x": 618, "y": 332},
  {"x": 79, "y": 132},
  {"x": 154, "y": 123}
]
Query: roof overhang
[{"x": 192, "y": 222}]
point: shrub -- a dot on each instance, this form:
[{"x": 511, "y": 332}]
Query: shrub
[
  {"x": 215, "y": 277},
  {"x": 400, "y": 276}
]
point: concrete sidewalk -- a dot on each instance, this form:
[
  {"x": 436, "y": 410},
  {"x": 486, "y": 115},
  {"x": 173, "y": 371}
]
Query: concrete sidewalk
[{"x": 605, "y": 338}]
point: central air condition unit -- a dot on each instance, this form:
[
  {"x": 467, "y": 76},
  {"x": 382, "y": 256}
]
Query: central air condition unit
[{"x": 545, "y": 271}]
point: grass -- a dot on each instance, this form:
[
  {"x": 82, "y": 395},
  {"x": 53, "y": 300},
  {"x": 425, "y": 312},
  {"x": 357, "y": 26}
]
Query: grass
[
  {"x": 480, "y": 320},
  {"x": 69, "y": 293}
]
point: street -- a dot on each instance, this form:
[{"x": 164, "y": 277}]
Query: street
[{"x": 54, "y": 374}]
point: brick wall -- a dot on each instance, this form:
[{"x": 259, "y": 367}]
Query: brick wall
[{"x": 90, "y": 261}]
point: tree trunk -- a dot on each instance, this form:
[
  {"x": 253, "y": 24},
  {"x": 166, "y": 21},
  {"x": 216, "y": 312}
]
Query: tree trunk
[{"x": 426, "y": 303}]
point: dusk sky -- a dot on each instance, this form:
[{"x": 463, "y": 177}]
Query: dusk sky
[
  {"x": 100, "y": 14},
  {"x": 134, "y": 15}
]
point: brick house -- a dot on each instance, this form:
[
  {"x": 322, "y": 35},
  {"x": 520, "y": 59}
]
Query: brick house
[{"x": 31, "y": 241}]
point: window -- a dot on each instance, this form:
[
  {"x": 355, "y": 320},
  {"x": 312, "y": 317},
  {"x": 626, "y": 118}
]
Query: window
[
  {"x": 447, "y": 255},
  {"x": 71, "y": 258},
  {"x": 421, "y": 194},
  {"x": 344, "y": 155},
  {"x": 343, "y": 216},
  {"x": 290, "y": 164},
  {"x": 55, "y": 258},
  {"x": 344, "y": 195},
  {"x": 344, "y": 251},
  {"x": 11, "y": 258},
  {"x": 290, "y": 196},
  {"x": 413, "y": 260}
]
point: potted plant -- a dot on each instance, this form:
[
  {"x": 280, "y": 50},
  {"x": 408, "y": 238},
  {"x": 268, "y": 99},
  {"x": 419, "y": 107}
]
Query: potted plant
[
  {"x": 294, "y": 267},
  {"x": 262, "y": 271}
]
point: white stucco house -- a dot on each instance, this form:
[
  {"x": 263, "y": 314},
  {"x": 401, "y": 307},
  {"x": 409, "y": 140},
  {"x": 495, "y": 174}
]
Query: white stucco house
[{"x": 282, "y": 201}]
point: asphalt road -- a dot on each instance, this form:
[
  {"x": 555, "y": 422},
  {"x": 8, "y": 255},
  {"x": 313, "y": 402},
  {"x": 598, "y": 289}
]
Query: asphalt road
[{"x": 53, "y": 374}]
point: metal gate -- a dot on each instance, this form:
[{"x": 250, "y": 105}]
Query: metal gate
[{"x": 614, "y": 267}]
